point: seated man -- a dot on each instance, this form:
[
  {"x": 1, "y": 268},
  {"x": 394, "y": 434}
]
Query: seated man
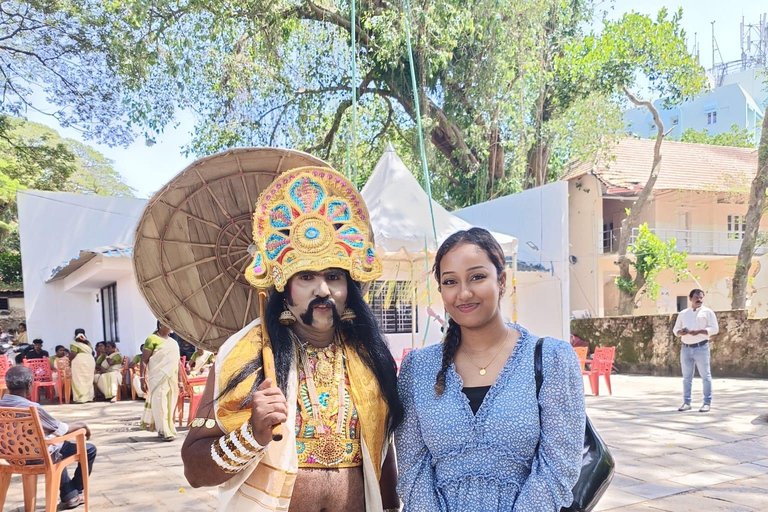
[
  {"x": 36, "y": 352},
  {"x": 19, "y": 381}
]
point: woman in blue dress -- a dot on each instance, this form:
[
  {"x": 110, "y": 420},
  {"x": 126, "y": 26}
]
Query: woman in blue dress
[{"x": 473, "y": 438}]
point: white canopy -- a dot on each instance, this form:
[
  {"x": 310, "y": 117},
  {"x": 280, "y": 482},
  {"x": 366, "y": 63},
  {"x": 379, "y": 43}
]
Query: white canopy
[{"x": 399, "y": 210}]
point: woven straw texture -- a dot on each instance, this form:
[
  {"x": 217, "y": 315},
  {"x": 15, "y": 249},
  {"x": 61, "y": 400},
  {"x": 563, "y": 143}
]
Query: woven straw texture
[{"x": 191, "y": 245}]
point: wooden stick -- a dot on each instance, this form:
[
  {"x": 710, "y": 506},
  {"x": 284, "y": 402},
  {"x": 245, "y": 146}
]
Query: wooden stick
[{"x": 268, "y": 357}]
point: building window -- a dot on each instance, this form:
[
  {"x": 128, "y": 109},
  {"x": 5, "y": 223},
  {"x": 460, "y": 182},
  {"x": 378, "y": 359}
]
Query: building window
[
  {"x": 608, "y": 236},
  {"x": 682, "y": 302},
  {"x": 109, "y": 313},
  {"x": 4, "y": 304},
  {"x": 711, "y": 117},
  {"x": 737, "y": 226},
  {"x": 392, "y": 306}
]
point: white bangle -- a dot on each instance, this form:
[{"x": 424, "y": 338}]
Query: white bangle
[{"x": 220, "y": 462}]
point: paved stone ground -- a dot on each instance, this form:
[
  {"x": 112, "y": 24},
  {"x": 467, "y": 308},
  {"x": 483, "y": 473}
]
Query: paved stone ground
[{"x": 666, "y": 460}]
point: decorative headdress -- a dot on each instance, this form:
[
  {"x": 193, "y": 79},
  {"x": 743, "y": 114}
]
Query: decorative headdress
[{"x": 311, "y": 218}]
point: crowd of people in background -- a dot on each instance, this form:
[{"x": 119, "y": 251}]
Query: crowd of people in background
[{"x": 98, "y": 369}]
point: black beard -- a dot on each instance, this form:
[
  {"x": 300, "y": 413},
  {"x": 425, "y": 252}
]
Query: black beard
[{"x": 308, "y": 316}]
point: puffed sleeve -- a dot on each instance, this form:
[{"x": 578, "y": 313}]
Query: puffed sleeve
[
  {"x": 557, "y": 463},
  {"x": 416, "y": 485}
]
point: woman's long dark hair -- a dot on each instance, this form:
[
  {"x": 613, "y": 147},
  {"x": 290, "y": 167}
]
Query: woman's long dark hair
[
  {"x": 484, "y": 240},
  {"x": 362, "y": 334}
]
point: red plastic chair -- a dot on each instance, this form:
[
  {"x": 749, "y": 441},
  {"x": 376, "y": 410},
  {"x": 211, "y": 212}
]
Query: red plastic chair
[
  {"x": 64, "y": 380},
  {"x": 43, "y": 374},
  {"x": 5, "y": 364},
  {"x": 601, "y": 364},
  {"x": 581, "y": 353},
  {"x": 187, "y": 390},
  {"x": 24, "y": 449}
]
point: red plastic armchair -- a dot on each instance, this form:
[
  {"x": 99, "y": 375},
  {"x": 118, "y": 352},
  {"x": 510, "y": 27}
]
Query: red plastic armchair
[
  {"x": 601, "y": 364},
  {"x": 5, "y": 364},
  {"x": 43, "y": 374},
  {"x": 25, "y": 449},
  {"x": 187, "y": 390}
]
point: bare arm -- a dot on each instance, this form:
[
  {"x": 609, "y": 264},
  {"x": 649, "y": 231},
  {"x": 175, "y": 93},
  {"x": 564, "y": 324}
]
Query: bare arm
[
  {"x": 268, "y": 408},
  {"x": 388, "y": 481},
  {"x": 145, "y": 355},
  {"x": 77, "y": 426}
]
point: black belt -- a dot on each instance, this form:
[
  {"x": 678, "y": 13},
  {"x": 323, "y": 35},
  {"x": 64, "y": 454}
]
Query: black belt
[{"x": 694, "y": 345}]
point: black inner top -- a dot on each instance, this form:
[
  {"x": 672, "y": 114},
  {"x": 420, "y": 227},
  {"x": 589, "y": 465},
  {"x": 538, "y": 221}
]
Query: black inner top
[{"x": 476, "y": 396}]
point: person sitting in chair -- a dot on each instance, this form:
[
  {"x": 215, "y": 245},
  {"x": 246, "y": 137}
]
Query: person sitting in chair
[{"x": 19, "y": 382}]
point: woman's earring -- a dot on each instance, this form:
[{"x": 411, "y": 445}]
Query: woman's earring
[
  {"x": 348, "y": 315},
  {"x": 287, "y": 318}
]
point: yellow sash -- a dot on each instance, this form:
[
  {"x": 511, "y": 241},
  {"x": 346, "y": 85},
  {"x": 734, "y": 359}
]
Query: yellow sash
[{"x": 366, "y": 395}]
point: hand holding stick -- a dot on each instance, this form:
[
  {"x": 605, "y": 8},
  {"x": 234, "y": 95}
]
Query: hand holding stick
[{"x": 268, "y": 357}]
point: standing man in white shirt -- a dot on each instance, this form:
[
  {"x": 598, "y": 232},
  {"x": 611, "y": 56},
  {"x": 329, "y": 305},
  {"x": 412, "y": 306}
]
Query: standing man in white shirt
[{"x": 695, "y": 326}]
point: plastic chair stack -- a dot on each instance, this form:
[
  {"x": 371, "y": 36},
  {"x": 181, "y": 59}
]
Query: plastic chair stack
[
  {"x": 43, "y": 374},
  {"x": 187, "y": 390},
  {"x": 25, "y": 449}
]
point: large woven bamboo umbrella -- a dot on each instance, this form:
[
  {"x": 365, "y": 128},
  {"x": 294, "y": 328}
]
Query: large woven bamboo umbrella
[{"x": 191, "y": 244}]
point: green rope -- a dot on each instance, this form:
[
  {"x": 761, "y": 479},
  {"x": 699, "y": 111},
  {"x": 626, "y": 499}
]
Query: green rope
[
  {"x": 417, "y": 109},
  {"x": 353, "y": 24}
]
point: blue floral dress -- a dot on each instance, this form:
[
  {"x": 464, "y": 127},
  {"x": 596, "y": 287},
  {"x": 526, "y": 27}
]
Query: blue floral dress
[{"x": 451, "y": 460}]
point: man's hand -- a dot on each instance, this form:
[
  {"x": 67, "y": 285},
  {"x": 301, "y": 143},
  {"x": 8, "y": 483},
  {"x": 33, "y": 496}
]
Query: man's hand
[{"x": 268, "y": 408}]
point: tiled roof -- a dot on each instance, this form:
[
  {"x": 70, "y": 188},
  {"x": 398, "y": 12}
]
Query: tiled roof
[{"x": 684, "y": 166}]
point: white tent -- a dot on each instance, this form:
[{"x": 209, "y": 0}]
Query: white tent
[
  {"x": 400, "y": 216},
  {"x": 399, "y": 210}
]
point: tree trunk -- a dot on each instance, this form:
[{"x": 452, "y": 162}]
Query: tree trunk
[
  {"x": 754, "y": 215},
  {"x": 627, "y": 297},
  {"x": 537, "y": 163}
]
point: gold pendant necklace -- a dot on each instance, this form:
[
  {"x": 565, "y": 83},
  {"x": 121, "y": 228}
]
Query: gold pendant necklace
[{"x": 484, "y": 369}]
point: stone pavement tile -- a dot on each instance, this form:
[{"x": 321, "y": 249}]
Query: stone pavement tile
[
  {"x": 703, "y": 478},
  {"x": 743, "y": 470},
  {"x": 620, "y": 481},
  {"x": 760, "y": 482},
  {"x": 617, "y": 498},
  {"x": 648, "y": 472},
  {"x": 683, "y": 460},
  {"x": 744, "y": 451},
  {"x": 653, "y": 490},
  {"x": 717, "y": 434},
  {"x": 748, "y": 496},
  {"x": 694, "y": 502}
]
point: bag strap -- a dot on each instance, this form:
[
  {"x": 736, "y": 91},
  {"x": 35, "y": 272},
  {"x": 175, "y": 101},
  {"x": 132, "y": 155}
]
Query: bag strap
[{"x": 537, "y": 367}]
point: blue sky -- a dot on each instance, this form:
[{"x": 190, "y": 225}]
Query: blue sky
[{"x": 147, "y": 168}]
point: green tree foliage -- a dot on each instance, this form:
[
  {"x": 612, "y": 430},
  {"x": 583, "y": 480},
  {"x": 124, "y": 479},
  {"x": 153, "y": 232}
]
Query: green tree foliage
[
  {"x": 651, "y": 257},
  {"x": 736, "y": 137},
  {"x": 57, "y": 50},
  {"x": 267, "y": 73},
  {"x": 34, "y": 156},
  {"x": 10, "y": 270}
]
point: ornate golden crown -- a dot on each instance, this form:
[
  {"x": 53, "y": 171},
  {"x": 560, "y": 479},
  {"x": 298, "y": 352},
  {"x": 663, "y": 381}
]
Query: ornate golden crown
[{"x": 311, "y": 218}]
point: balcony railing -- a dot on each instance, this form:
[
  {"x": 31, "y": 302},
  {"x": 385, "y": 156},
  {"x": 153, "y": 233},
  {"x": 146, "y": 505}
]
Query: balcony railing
[{"x": 725, "y": 243}]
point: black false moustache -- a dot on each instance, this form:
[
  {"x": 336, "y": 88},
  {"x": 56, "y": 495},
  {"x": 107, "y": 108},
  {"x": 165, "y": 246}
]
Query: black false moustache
[{"x": 308, "y": 316}]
